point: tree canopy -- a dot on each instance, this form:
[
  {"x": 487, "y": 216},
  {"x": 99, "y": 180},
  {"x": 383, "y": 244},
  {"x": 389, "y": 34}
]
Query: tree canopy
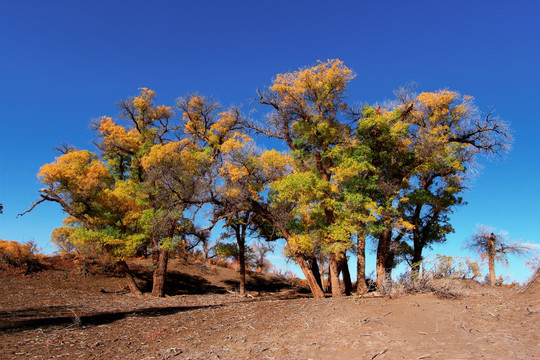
[{"x": 392, "y": 173}]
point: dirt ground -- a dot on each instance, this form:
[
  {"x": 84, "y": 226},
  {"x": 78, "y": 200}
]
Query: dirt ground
[{"x": 59, "y": 313}]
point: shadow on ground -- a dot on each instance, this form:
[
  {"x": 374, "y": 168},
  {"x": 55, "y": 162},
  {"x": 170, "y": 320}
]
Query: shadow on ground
[
  {"x": 257, "y": 282},
  {"x": 178, "y": 283},
  {"x": 58, "y": 315}
]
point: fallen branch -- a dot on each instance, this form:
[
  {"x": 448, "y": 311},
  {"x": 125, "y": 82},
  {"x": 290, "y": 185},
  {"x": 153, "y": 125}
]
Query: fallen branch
[{"x": 379, "y": 353}]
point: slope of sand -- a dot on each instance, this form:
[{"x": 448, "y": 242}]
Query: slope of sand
[{"x": 61, "y": 314}]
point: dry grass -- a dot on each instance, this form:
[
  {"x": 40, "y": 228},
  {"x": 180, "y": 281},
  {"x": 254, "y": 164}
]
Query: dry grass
[{"x": 442, "y": 287}]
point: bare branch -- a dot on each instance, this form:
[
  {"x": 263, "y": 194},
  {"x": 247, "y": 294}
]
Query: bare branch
[{"x": 32, "y": 207}]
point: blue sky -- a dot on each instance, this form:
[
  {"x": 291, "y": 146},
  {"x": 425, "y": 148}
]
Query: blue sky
[{"x": 64, "y": 63}]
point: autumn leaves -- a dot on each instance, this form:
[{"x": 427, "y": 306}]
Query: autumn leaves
[{"x": 388, "y": 173}]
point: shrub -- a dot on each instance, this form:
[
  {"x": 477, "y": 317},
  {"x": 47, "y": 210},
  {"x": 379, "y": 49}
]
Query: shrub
[
  {"x": 441, "y": 276},
  {"x": 16, "y": 255},
  {"x": 428, "y": 283}
]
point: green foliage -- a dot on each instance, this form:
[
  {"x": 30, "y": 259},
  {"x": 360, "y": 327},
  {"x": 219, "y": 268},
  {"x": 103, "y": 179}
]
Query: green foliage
[
  {"x": 398, "y": 169},
  {"x": 227, "y": 250}
]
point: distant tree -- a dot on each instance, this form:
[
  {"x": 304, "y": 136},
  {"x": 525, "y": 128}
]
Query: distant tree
[
  {"x": 494, "y": 247},
  {"x": 238, "y": 227},
  {"x": 240, "y": 182},
  {"x": 261, "y": 248}
]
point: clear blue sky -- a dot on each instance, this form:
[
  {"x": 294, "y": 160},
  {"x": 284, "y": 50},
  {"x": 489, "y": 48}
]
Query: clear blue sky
[{"x": 64, "y": 63}]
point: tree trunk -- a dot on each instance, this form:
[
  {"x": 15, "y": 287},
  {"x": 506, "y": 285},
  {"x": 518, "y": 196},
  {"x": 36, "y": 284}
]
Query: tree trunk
[
  {"x": 491, "y": 259},
  {"x": 133, "y": 288},
  {"x": 334, "y": 263},
  {"x": 314, "y": 266},
  {"x": 321, "y": 272},
  {"x": 300, "y": 258},
  {"x": 361, "y": 285},
  {"x": 389, "y": 262},
  {"x": 383, "y": 248},
  {"x": 346, "y": 275},
  {"x": 155, "y": 250},
  {"x": 242, "y": 260},
  {"x": 416, "y": 262},
  {"x": 160, "y": 274},
  {"x": 492, "y": 277},
  {"x": 310, "y": 277}
]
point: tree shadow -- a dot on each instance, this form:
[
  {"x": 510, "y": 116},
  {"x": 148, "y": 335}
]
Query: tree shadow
[
  {"x": 258, "y": 282},
  {"x": 178, "y": 283},
  {"x": 57, "y": 316}
]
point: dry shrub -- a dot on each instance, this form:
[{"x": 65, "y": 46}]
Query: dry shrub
[
  {"x": 443, "y": 276},
  {"x": 443, "y": 287},
  {"x": 17, "y": 255},
  {"x": 532, "y": 283},
  {"x": 289, "y": 277}
]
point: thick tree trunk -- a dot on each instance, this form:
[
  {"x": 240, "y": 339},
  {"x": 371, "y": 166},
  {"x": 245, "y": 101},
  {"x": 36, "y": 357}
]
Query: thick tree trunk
[
  {"x": 242, "y": 260},
  {"x": 389, "y": 264},
  {"x": 346, "y": 275},
  {"x": 383, "y": 249},
  {"x": 334, "y": 264},
  {"x": 160, "y": 274},
  {"x": 492, "y": 277},
  {"x": 133, "y": 288},
  {"x": 321, "y": 273},
  {"x": 361, "y": 285},
  {"x": 491, "y": 259},
  {"x": 314, "y": 266},
  {"x": 160, "y": 271},
  {"x": 310, "y": 277},
  {"x": 416, "y": 262}
]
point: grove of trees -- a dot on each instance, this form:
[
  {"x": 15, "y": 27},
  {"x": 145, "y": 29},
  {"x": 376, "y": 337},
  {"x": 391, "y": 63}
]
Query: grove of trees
[{"x": 389, "y": 173}]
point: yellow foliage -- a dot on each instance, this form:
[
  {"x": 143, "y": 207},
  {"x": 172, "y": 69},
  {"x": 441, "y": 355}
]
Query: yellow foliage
[
  {"x": 117, "y": 138},
  {"x": 234, "y": 172},
  {"x": 327, "y": 80},
  {"x": 15, "y": 250},
  {"x": 180, "y": 154},
  {"x": 79, "y": 171},
  {"x": 235, "y": 142},
  {"x": 146, "y": 113},
  {"x": 145, "y": 99},
  {"x": 194, "y": 117},
  {"x": 273, "y": 162}
]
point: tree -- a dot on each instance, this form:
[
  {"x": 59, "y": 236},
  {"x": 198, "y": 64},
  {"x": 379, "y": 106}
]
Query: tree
[
  {"x": 448, "y": 136},
  {"x": 494, "y": 247},
  {"x": 309, "y": 113},
  {"x": 100, "y": 211},
  {"x": 239, "y": 227},
  {"x": 419, "y": 152},
  {"x": 104, "y": 195},
  {"x": 180, "y": 173},
  {"x": 384, "y": 144},
  {"x": 260, "y": 249},
  {"x": 245, "y": 174}
]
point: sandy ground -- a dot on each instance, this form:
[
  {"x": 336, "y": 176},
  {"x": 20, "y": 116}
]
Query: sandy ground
[{"x": 62, "y": 314}]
